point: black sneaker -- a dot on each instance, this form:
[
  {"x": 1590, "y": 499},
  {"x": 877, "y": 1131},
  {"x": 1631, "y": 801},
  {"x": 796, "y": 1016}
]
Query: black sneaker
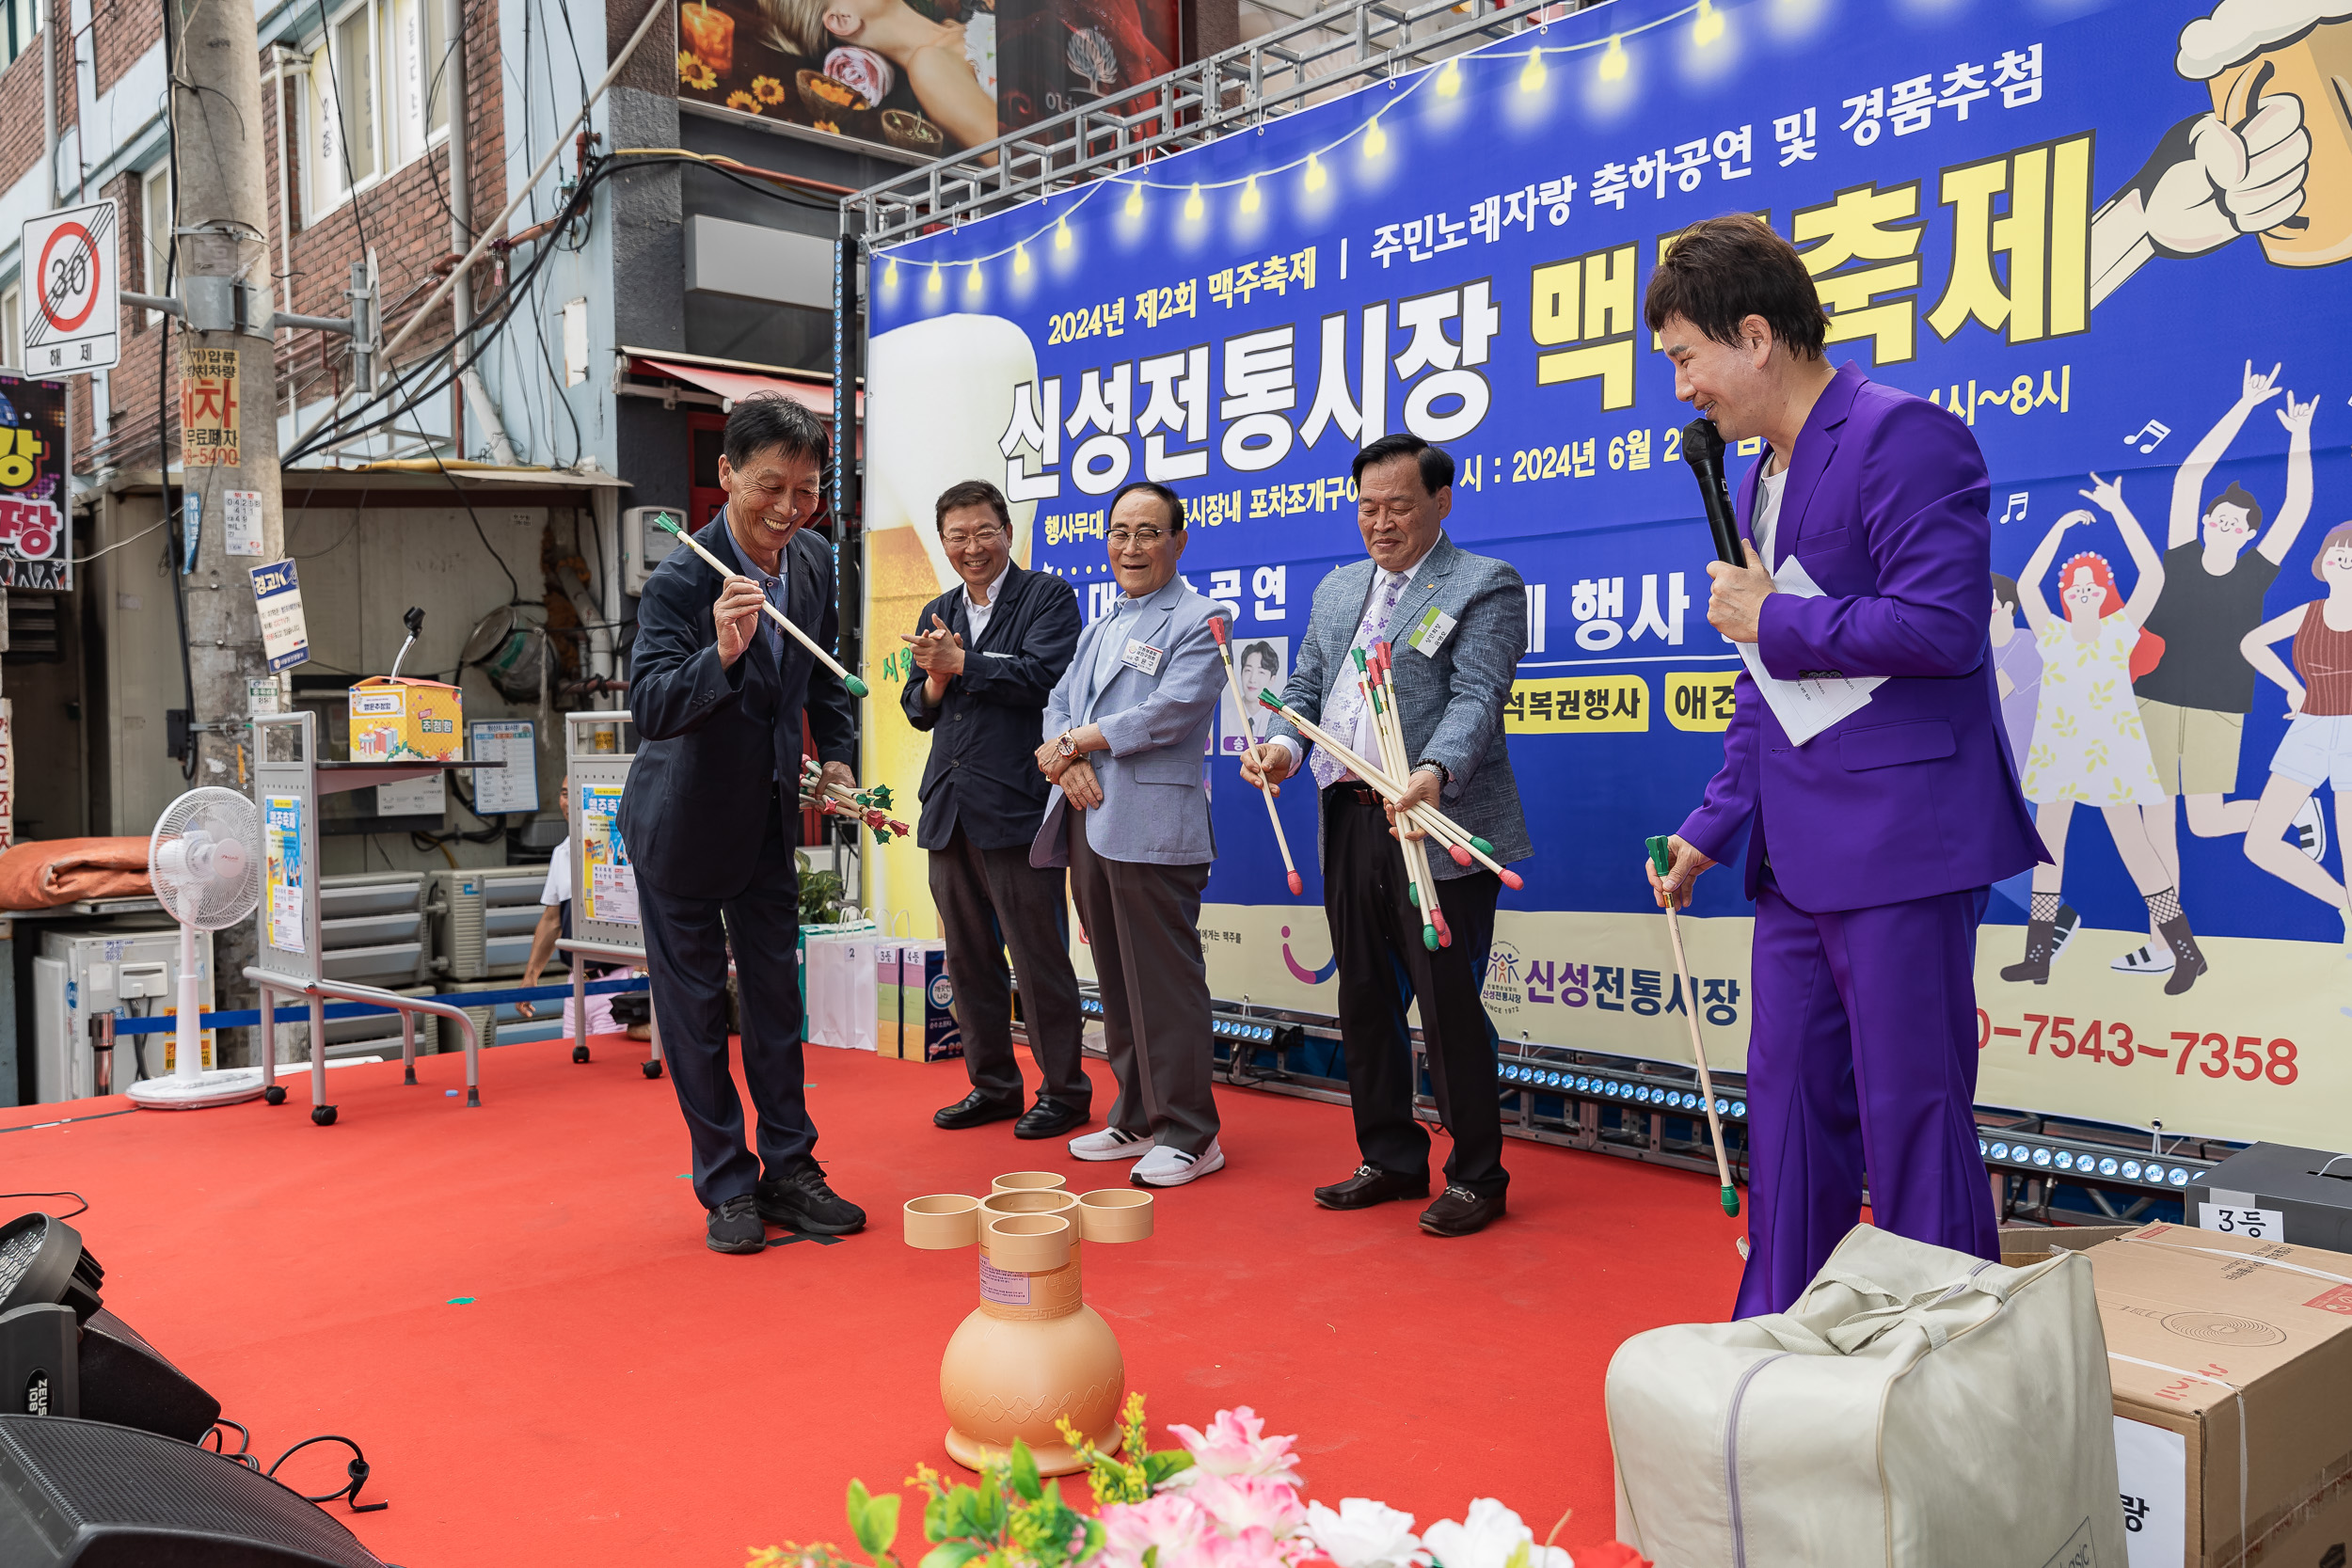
[
  {"x": 802, "y": 1202},
  {"x": 735, "y": 1227},
  {"x": 1459, "y": 1212}
]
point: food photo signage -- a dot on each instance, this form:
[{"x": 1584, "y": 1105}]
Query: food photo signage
[
  {"x": 2110, "y": 236},
  {"x": 922, "y": 76}
]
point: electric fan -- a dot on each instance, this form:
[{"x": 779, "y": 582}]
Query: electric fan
[{"x": 205, "y": 862}]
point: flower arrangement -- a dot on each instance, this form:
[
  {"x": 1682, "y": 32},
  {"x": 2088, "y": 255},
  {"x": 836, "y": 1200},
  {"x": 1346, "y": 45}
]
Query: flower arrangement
[{"x": 1228, "y": 1498}]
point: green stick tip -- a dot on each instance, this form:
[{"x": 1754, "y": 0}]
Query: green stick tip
[
  {"x": 1660, "y": 856},
  {"x": 857, "y": 687},
  {"x": 1731, "y": 1203},
  {"x": 1429, "y": 938}
]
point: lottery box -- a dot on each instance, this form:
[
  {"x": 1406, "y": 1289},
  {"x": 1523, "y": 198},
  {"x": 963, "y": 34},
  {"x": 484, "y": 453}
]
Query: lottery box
[{"x": 395, "y": 718}]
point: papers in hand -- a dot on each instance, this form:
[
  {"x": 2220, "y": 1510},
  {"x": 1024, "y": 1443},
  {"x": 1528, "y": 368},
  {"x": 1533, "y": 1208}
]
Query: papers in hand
[{"x": 1805, "y": 707}]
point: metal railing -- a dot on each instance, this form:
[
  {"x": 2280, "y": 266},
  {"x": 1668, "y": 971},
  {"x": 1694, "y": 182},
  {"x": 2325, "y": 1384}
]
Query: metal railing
[{"x": 1315, "y": 57}]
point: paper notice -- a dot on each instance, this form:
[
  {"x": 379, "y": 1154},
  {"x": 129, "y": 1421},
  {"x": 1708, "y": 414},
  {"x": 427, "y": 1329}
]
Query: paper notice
[
  {"x": 1805, "y": 707},
  {"x": 611, "y": 894},
  {"x": 282, "y": 871}
]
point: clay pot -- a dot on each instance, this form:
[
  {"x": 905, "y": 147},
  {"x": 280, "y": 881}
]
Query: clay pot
[{"x": 1031, "y": 1352}]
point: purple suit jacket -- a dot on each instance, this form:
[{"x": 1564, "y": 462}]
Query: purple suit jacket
[{"x": 1915, "y": 795}]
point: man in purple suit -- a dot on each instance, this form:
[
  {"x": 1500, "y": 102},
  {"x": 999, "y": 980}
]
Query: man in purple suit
[{"x": 1872, "y": 841}]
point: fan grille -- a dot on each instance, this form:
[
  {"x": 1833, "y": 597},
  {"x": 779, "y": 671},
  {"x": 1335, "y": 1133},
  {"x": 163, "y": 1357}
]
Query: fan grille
[{"x": 204, "y": 861}]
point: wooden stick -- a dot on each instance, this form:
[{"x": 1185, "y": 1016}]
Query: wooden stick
[
  {"x": 1428, "y": 817},
  {"x": 1660, "y": 858},
  {"x": 1400, "y": 766},
  {"x": 1391, "y": 747},
  {"x": 1248, "y": 728},
  {"x": 856, "y": 687}
]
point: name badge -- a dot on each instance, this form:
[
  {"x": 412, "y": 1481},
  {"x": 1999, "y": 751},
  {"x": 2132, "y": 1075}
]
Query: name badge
[
  {"x": 1430, "y": 632},
  {"x": 1141, "y": 656}
]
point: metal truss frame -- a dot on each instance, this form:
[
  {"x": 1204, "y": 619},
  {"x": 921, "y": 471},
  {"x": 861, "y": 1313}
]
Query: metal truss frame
[{"x": 1332, "y": 52}]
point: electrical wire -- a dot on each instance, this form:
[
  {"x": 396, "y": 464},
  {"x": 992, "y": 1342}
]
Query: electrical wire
[
  {"x": 86, "y": 560},
  {"x": 176, "y": 556},
  {"x": 68, "y": 1193}
]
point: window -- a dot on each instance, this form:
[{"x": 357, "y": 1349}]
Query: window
[
  {"x": 11, "y": 322},
  {"x": 155, "y": 222},
  {"x": 375, "y": 99},
  {"x": 21, "y": 26}
]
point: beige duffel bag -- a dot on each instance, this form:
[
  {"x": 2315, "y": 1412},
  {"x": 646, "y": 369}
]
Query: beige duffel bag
[{"x": 1917, "y": 1407}]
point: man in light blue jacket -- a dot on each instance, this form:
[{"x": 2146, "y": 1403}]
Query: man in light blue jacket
[{"x": 1125, "y": 731}]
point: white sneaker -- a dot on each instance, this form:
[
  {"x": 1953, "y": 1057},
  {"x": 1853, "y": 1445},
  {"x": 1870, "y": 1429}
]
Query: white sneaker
[
  {"x": 2145, "y": 959},
  {"x": 1109, "y": 1143},
  {"x": 1172, "y": 1167}
]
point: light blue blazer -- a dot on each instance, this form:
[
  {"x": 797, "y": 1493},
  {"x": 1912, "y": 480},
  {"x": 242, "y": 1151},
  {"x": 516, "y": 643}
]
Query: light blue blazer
[{"x": 1154, "y": 808}]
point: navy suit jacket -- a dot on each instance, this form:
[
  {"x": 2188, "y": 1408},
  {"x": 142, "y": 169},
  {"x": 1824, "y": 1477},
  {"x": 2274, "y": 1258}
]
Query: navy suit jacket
[
  {"x": 1916, "y": 794},
  {"x": 713, "y": 738},
  {"x": 985, "y": 732}
]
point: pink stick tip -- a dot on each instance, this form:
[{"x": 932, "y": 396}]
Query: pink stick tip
[
  {"x": 1298, "y": 885},
  {"x": 1461, "y": 856},
  {"x": 1512, "y": 879}
]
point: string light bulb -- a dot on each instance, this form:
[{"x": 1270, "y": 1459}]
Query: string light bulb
[
  {"x": 1532, "y": 75},
  {"x": 1709, "y": 25},
  {"x": 1193, "y": 208},
  {"x": 1061, "y": 233},
  {"x": 1376, "y": 139},
  {"x": 1614, "y": 63},
  {"x": 1134, "y": 202},
  {"x": 1449, "y": 80},
  {"x": 1020, "y": 260},
  {"x": 972, "y": 278},
  {"x": 934, "y": 285},
  {"x": 1249, "y": 195},
  {"x": 1315, "y": 176},
  {"x": 890, "y": 273}
]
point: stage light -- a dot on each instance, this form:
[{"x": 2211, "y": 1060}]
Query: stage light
[
  {"x": 1612, "y": 63},
  {"x": 2065, "y": 1160},
  {"x": 1249, "y": 195},
  {"x": 1532, "y": 75},
  {"x": 42, "y": 1263},
  {"x": 2109, "y": 1165},
  {"x": 1193, "y": 208},
  {"x": 1709, "y": 26},
  {"x": 2042, "y": 1157},
  {"x": 1449, "y": 80},
  {"x": 1061, "y": 235},
  {"x": 2131, "y": 1170},
  {"x": 1998, "y": 1151},
  {"x": 2177, "y": 1177},
  {"x": 1134, "y": 202},
  {"x": 1376, "y": 139},
  {"x": 934, "y": 285},
  {"x": 1021, "y": 260},
  {"x": 1315, "y": 176}
]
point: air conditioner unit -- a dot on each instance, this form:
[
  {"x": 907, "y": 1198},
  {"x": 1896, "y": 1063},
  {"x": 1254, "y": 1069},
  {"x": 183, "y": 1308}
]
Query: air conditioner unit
[
  {"x": 486, "y": 1019},
  {"x": 372, "y": 929},
  {"x": 80, "y": 975},
  {"x": 644, "y": 543},
  {"x": 482, "y": 920}
]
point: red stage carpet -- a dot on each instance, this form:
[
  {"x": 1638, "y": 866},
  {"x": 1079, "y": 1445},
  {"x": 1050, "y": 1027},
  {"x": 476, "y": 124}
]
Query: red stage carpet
[{"x": 512, "y": 1308}]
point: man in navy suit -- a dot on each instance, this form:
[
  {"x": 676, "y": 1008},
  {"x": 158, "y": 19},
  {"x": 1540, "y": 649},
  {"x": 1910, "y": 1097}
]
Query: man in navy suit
[
  {"x": 987, "y": 655},
  {"x": 717, "y": 690}
]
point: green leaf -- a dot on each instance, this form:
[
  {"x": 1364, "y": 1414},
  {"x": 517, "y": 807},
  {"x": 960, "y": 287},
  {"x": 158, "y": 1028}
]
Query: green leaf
[
  {"x": 952, "y": 1554},
  {"x": 859, "y": 1498},
  {"x": 1158, "y": 1467},
  {"x": 1024, "y": 1472},
  {"x": 882, "y": 1522}
]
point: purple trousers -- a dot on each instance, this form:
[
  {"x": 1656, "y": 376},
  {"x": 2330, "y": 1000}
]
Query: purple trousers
[{"x": 1861, "y": 1056}]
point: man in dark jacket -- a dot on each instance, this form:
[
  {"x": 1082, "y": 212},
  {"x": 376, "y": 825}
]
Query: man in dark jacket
[
  {"x": 987, "y": 655},
  {"x": 709, "y": 817}
]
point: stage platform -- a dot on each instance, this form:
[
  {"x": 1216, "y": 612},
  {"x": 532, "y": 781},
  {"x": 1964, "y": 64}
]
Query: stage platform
[{"x": 512, "y": 1309}]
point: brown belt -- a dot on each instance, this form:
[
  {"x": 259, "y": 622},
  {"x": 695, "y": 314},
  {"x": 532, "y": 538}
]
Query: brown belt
[{"x": 1354, "y": 790}]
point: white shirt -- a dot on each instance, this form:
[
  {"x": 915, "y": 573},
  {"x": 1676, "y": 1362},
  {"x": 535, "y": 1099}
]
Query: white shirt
[
  {"x": 1767, "y": 516},
  {"x": 1365, "y": 742},
  {"x": 978, "y": 613},
  {"x": 559, "y": 888}
]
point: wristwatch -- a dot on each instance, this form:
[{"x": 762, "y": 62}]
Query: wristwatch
[{"x": 1066, "y": 746}]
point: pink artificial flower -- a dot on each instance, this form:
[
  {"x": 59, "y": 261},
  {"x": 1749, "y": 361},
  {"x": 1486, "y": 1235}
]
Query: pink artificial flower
[
  {"x": 1254, "y": 1547},
  {"x": 1180, "y": 1528},
  {"x": 1240, "y": 1503},
  {"x": 1235, "y": 1444}
]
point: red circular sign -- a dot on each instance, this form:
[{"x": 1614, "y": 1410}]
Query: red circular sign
[{"x": 89, "y": 302}]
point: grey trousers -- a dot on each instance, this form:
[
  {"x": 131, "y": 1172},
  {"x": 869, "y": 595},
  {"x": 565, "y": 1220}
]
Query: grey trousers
[
  {"x": 1143, "y": 922},
  {"x": 990, "y": 900}
]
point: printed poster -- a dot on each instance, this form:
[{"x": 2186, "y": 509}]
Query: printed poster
[
  {"x": 35, "y": 525},
  {"x": 209, "y": 430},
  {"x": 610, "y": 887},
  {"x": 278, "y": 598},
  {"x": 282, "y": 871}
]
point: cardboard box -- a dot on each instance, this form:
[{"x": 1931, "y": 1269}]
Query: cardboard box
[
  {"x": 886, "y": 1036},
  {"x": 2022, "y": 1245},
  {"x": 2276, "y": 1192},
  {"x": 927, "y": 1004},
  {"x": 396, "y": 717},
  {"x": 2231, "y": 1365}
]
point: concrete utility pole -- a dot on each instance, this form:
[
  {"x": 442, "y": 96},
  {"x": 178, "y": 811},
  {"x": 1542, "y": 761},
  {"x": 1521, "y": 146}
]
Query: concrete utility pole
[{"x": 223, "y": 269}]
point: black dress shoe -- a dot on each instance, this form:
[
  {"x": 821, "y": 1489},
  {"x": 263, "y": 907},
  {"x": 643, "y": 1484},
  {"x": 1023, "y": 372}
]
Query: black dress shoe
[
  {"x": 1371, "y": 1185},
  {"x": 802, "y": 1202},
  {"x": 1048, "y": 1118},
  {"x": 976, "y": 1110},
  {"x": 1459, "y": 1212},
  {"x": 735, "y": 1227}
]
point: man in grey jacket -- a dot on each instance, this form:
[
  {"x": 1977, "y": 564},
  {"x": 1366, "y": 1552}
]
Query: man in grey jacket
[
  {"x": 1457, "y": 624},
  {"x": 1126, "y": 730}
]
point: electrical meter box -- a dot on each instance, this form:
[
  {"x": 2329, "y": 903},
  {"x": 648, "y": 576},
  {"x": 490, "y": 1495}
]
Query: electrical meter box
[
  {"x": 646, "y": 543},
  {"x": 131, "y": 973}
]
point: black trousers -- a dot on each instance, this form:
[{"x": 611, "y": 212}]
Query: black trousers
[
  {"x": 686, "y": 945},
  {"x": 989, "y": 900},
  {"x": 1384, "y": 966},
  {"x": 1143, "y": 922}
]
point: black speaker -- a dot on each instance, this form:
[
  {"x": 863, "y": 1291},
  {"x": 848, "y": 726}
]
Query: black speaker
[
  {"x": 83, "y": 1495},
  {"x": 127, "y": 1380},
  {"x": 41, "y": 1362}
]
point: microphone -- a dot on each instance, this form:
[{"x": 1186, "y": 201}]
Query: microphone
[{"x": 1703, "y": 449}]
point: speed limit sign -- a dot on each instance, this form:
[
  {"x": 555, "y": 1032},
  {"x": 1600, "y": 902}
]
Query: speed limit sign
[{"x": 73, "y": 317}]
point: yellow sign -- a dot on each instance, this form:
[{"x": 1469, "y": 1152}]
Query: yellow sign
[
  {"x": 1700, "y": 698},
  {"x": 208, "y": 408},
  {"x": 1578, "y": 704}
]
